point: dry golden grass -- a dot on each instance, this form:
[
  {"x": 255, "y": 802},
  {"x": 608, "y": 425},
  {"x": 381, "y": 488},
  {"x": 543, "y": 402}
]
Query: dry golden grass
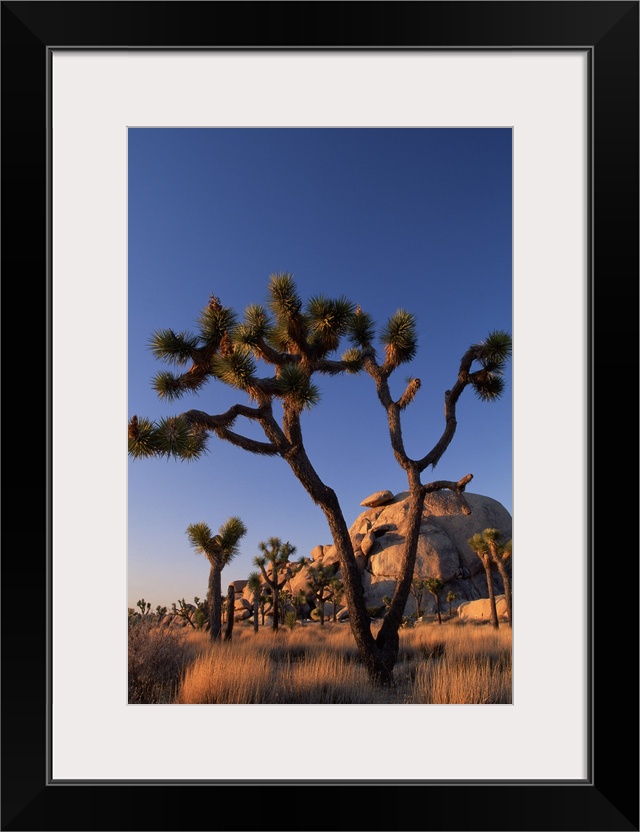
[{"x": 452, "y": 663}]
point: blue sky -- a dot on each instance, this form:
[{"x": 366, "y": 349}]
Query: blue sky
[{"x": 419, "y": 219}]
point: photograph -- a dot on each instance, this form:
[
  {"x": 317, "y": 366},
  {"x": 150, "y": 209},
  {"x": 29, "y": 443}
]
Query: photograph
[
  {"x": 319, "y": 342},
  {"x": 328, "y": 302}
]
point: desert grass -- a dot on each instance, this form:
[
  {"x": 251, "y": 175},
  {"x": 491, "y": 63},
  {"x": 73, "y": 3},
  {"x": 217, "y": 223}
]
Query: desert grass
[
  {"x": 452, "y": 663},
  {"x": 157, "y": 658}
]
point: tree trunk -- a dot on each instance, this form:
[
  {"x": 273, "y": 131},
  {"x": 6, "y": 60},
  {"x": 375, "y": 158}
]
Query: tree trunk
[
  {"x": 378, "y": 655},
  {"x": 276, "y": 606},
  {"x": 507, "y": 590},
  {"x": 214, "y": 600},
  {"x": 438, "y": 610},
  {"x": 492, "y": 596},
  {"x": 255, "y": 612},
  {"x": 231, "y": 601}
]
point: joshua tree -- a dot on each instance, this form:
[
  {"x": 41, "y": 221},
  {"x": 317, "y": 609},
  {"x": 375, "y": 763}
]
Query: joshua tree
[
  {"x": 500, "y": 554},
  {"x": 480, "y": 546},
  {"x": 219, "y": 549},
  {"x": 435, "y": 587},
  {"x": 337, "y": 595},
  {"x": 451, "y": 597},
  {"x": 160, "y": 611},
  {"x": 299, "y": 602},
  {"x": 183, "y": 610},
  {"x": 254, "y": 584},
  {"x": 418, "y": 586},
  {"x": 320, "y": 580},
  {"x": 266, "y": 601},
  {"x": 231, "y": 602},
  {"x": 145, "y": 606},
  {"x": 297, "y": 342},
  {"x": 201, "y": 613},
  {"x": 273, "y": 565}
]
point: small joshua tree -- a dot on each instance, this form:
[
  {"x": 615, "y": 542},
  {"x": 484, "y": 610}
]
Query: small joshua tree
[
  {"x": 480, "y": 545},
  {"x": 320, "y": 582},
  {"x": 435, "y": 587},
  {"x": 418, "y": 586},
  {"x": 185, "y": 611},
  {"x": 254, "y": 584},
  {"x": 231, "y": 602},
  {"x": 337, "y": 588},
  {"x": 145, "y": 606},
  {"x": 500, "y": 553},
  {"x": 266, "y": 601},
  {"x": 451, "y": 597},
  {"x": 219, "y": 549},
  {"x": 273, "y": 565}
]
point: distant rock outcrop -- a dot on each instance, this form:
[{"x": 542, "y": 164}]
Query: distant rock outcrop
[{"x": 378, "y": 536}]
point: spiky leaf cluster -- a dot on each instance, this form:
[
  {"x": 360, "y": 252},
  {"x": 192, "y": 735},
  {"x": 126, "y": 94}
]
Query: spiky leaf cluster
[
  {"x": 362, "y": 329},
  {"x": 328, "y": 319},
  {"x": 173, "y": 347},
  {"x": 294, "y": 385},
  {"x": 171, "y": 387},
  {"x": 493, "y": 354},
  {"x": 214, "y": 321},
  {"x": 352, "y": 359},
  {"x": 434, "y": 585},
  {"x": 237, "y": 368},
  {"x": 479, "y": 544},
  {"x": 256, "y": 326},
  {"x": 400, "y": 338},
  {"x": 488, "y": 386},
  {"x": 141, "y": 438},
  {"x": 496, "y": 350},
  {"x": 223, "y": 546},
  {"x": 171, "y": 436},
  {"x": 176, "y": 437},
  {"x": 284, "y": 300}
]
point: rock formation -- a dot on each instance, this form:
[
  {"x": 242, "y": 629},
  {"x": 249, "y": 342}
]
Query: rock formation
[{"x": 378, "y": 535}]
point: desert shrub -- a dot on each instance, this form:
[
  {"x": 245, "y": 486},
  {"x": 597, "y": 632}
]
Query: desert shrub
[
  {"x": 290, "y": 619},
  {"x": 155, "y": 662}
]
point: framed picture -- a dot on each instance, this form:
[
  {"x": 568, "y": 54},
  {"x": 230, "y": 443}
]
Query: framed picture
[{"x": 563, "y": 78}]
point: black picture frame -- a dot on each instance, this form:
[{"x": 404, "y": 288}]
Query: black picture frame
[{"x": 608, "y": 799}]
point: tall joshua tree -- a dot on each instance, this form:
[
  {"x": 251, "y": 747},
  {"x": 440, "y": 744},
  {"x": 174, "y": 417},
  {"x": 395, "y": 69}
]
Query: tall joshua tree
[
  {"x": 254, "y": 585},
  {"x": 273, "y": 563},
  {"x": 480, "y": 546},
  {"x": 297, "y": 342},
  {"x": 219, "y": 549}
]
